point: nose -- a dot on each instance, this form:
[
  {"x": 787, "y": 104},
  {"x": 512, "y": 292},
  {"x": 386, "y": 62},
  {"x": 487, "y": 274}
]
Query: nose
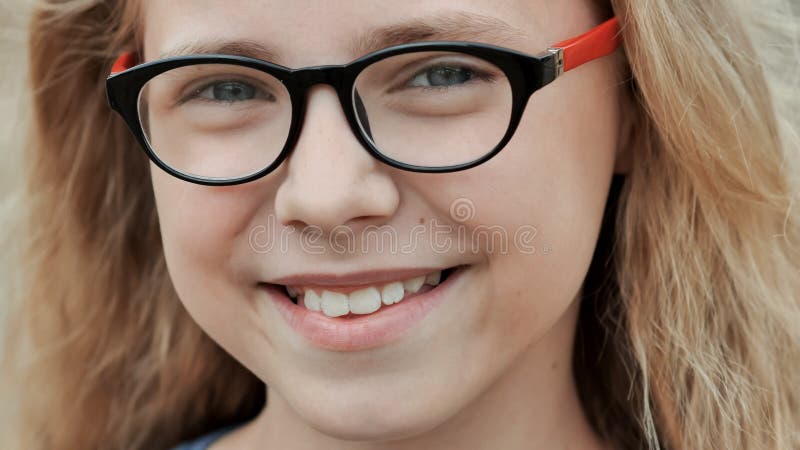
[{"x": 331, "y": 179}]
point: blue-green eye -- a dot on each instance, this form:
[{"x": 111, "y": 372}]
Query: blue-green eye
[
  {"x": 442, "y": 76},
  {"x": 232, "y": 91},
  {"x": 229, "y": 91}
]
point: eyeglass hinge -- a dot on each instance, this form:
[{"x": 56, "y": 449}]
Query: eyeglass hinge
[{"x": 558, "y": 60}]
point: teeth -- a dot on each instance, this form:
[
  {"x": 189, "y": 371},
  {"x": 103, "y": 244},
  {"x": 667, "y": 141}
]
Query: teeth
[
  {"x": 312, "y": 300},
  {"x": 392, "y": 293},
  {"x": 365, "y": 301},
  {"x": 334, "y": 304},
  {"x": 414, "y": 284},
  {"x": 362, "y": 301}
]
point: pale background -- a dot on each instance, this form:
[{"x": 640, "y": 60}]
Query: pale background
[{"x": 13, "y": 112}]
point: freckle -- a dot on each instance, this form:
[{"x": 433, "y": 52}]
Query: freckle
[
  {"x": 554, "y": 366},
  {"x": 421, "y": 220}
]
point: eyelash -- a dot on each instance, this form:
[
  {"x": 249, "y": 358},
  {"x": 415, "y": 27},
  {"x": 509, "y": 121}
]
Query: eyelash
[
  {"x": 194, "y": 93},
  {"x": 475, "y": 74}
]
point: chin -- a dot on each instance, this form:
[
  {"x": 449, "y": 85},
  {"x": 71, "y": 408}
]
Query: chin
[{"x": 371, "y": 419}]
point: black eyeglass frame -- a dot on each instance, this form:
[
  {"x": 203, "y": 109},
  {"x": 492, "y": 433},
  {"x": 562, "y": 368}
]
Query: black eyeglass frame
[{"x": 526, "y": 74}]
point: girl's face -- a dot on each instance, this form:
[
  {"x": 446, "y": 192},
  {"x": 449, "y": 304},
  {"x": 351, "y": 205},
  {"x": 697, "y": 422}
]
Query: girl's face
[{"x": 524, "y": 223}]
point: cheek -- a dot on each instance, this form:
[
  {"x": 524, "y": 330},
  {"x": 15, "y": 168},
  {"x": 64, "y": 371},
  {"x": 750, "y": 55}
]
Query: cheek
[
  {"x": 202, "y": 228},
  {"x": 548, "y": 186}
]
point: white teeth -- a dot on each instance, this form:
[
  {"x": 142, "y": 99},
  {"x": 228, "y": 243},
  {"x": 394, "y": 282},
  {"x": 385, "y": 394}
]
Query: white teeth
[
  {"x": 414, "y": 284},
  {"x": 365, "y": 301},
  {"x": 312, "y": 300},
  {"x": 434, "y": 278},
  {"x": 362, "y": 301},
  {"x": 392, "y": 292},
  {"x": 334, "y": 304}
]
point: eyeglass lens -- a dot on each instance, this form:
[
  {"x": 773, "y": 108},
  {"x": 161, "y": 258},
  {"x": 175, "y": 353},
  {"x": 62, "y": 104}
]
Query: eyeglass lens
[{"x": 431, "y": 109}]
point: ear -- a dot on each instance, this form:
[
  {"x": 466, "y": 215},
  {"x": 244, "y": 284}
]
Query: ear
[{"x": 623, "y": 163}]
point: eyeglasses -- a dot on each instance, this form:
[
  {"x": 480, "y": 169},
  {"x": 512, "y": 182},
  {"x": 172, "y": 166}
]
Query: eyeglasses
[{"x": 435, "y": 107}]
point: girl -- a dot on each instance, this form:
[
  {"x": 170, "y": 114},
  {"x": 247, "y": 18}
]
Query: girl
[{"x": 575, "y": 231}]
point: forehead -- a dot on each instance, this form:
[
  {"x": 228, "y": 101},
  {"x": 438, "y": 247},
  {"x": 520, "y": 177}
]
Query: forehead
[{"x": 310, "y": 32}]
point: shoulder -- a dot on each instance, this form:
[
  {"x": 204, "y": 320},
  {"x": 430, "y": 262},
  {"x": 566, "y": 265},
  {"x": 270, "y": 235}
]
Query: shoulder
[{"x": 203, "y": 442}]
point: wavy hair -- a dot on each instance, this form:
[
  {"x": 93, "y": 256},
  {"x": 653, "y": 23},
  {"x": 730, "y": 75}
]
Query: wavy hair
[{"x": 689, "y": 333}]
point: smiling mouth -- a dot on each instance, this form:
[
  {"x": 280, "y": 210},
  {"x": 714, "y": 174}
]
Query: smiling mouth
[{"x": 334, "y": 301}]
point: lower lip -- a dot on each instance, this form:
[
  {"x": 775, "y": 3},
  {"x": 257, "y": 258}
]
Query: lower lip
[{"x": 348, "y": 334}]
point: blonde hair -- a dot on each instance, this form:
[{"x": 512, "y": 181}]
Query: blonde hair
[{"x": 688, "y": 336}]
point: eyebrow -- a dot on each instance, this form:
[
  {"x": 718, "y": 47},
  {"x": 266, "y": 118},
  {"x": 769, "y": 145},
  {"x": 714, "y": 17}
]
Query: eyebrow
[
  {"x": 444, "y": 27},
  {"x": 246, "y": 48},
  {"x": 452, "y": 26}
]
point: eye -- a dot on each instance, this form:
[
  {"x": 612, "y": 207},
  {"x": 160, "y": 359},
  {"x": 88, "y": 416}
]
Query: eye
[
  {"x": 231, "y": 92},
  {"x": 443, "y": 76}
]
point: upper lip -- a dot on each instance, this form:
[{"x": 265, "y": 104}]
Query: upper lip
[{"x": 354, "y": 278}]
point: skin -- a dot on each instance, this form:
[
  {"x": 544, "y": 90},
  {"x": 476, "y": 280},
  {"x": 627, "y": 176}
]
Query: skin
[{"x": 491, "y": 367}]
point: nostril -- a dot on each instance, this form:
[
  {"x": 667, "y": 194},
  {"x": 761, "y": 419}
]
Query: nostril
[
  {"x": 298, "y": 225},
  {"x": 358, "y": 223}
]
